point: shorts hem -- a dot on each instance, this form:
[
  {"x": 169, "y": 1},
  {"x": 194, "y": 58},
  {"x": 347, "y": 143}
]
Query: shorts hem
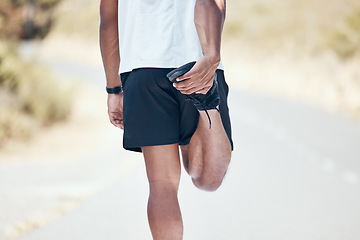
[{"x": 137, "y": 147}]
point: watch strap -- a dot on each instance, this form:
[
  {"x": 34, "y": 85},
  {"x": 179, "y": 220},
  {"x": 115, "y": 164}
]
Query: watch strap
[{"x": 115, "y": 90}]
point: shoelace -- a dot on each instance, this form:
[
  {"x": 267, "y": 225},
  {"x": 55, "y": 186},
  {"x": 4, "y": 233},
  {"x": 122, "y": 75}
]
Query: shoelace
[{"x": 196, "y": 101}]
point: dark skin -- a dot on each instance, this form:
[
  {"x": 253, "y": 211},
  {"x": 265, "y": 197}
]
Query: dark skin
[
  {"x": 208, "y": 154},
  {"x": 209, "y": 19},
  {"x": 109, "y": 46}
]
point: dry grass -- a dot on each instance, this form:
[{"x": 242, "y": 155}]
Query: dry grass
[
  {"x": 301, "y": 49},
  {"x": 344, "y": 39},
  {"x": 77, "y": 18},
  {"x": 296, "y": 25},
  {"x": 30, "y": 96},
  {"x": 42, "y": 97},
  {"x": 15, "y": 124}
]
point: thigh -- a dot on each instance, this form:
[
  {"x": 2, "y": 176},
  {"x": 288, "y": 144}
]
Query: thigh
[
  {"x": 162, "y": 165},
  {"x": 189, "y": 115}
]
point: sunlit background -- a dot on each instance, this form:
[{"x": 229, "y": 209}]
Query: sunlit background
[{"x": 293, "y": 68}]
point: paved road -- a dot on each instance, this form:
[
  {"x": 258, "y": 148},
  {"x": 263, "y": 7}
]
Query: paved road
[{"x": 294, "y": 176}]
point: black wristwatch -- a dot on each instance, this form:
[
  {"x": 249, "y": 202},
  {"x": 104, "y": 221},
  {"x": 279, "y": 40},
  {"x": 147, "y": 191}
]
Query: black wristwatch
[{"x": 115, "y": 90}]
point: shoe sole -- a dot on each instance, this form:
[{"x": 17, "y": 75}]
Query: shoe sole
[{"x": 179, "y": 72}]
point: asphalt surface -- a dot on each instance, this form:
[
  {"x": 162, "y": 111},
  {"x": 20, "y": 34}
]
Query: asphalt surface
[{"x": 295, "y": 174}]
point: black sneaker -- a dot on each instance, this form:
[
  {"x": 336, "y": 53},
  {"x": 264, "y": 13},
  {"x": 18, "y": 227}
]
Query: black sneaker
[
  {"x": 177, "y": 72},
  {"x": 202, "y": 102}
]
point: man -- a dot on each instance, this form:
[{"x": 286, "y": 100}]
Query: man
[{"x": 144, "y": 41}]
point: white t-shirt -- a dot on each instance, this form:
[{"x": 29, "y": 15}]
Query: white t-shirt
[{"x": 157, "y": 33}]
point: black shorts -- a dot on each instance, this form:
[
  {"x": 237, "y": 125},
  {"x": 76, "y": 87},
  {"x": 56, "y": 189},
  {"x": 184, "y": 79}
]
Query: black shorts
[{"x": 155, "y": 113}]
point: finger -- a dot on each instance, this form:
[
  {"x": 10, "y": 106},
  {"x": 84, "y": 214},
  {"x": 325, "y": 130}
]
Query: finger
[
  {"x": 184, "y": 84},
  {"x": 196, "y": 80},
  {"x": 194, "y": 71},
  {"x": 201, "y": 89},
  {"x": 192, "y": 87},
  {"x": 188, "y": 91},
  {"x": 184, "y": 77},
  {"x": 117, "y": 121},
  {"x": 192, "y": 83},
  {"x": 196, "y": 87},
  {"x": 113, "y": 122}
]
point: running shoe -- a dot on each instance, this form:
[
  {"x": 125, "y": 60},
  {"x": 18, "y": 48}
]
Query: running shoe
[{"x": 202, "y": 102}]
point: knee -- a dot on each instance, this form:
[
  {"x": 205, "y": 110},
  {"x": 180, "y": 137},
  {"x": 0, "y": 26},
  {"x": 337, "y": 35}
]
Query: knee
[
  {"x": 210, "y": 185},
  {"x": 194, "y": 172},
  {"x": 195, "y": 169},
  {"x": 162, "y": 193},
  {"x": 209, "y": 179}
]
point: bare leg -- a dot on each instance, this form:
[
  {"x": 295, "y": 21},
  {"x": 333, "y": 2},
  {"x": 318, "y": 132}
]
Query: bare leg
[
  {"x": 207, "y": 156},
  {"x": 163, "y": 170}
]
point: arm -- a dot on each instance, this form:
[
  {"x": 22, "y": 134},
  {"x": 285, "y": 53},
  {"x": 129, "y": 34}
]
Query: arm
[
  {"x": 109, "y": 41},
  {"x": 209, "y": 20},
  {"x": 109, "y": 46}
]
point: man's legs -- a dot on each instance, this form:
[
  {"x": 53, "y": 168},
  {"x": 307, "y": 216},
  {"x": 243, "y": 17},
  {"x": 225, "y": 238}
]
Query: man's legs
[
  {"x": 207, "y": 156},
  {"x": 163, "y": 170}
]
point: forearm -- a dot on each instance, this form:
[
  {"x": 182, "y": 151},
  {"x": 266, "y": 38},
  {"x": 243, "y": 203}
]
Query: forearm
[
  {"x": 209, "y": 20},
  {"x": 109, "y": 45}
]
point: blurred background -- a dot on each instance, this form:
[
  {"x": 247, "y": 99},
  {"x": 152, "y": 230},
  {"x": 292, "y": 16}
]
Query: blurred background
[{"x": 294, "y": 72}]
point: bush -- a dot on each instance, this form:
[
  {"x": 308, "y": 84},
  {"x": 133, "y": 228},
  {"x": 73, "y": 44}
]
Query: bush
[
  {"x": 15, "y": 124},
  {"x": 26, "y": 19},
  {"x": 30, "y": 96},
  {"x": 344, "y": 40},
  {"x": 41, "y": 96}
]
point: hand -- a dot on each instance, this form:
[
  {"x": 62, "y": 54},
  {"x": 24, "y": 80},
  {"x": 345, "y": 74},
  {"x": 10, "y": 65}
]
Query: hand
[
  {"x": 200, "y": 78},
  {"x": 115, "y": 109}
]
